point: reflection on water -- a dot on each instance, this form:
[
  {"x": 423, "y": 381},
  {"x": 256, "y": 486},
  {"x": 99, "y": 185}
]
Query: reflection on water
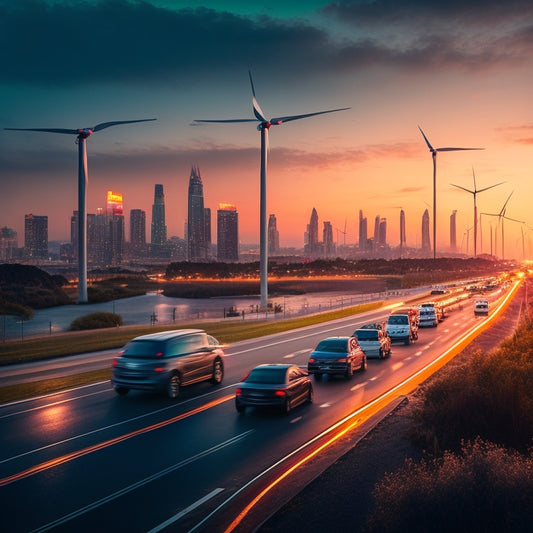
[{"x": 159, "y": 309}]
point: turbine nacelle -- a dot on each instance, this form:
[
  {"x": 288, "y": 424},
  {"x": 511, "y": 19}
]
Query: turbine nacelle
[{"x": 83, "y": 133}]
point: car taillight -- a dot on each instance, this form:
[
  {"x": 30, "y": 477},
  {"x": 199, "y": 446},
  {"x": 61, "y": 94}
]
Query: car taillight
[
  {"x": 342, "y": 359},
  {"x": 114, "y": 363},
  {"x": 238, "y": 392},
  {"x": 312, "y": 360},
  {"x": 159, "y": 369},
  {"x": 280, "y": 393}
]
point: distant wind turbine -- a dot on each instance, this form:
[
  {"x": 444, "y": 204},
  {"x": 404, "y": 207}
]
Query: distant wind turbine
[
  {"x": 263, "y": 127},
  {"x": 434, "y": 157},
  {"x": 501, "y": 216},
  {"x": 83, "y": 177},
  {"x": 475, "y": 192}
]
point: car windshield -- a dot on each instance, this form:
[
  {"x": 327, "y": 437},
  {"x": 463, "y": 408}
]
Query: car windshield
[
  {"x": 366, "y": 335},
  {"x": 267, "y": 375},
  {"x": 148, "y": 349},
  {"x": 332, "y": 345},
  {"x": 398, "y": 319}
]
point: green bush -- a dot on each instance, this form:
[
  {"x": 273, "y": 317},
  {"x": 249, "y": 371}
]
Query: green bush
[
  {"x": 483, "y": 489},
  {"x": 96, "y": 321}
]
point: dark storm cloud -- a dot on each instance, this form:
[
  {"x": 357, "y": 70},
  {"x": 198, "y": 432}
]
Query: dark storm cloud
[
  {"x": 121, "y": 41},
  {"x": 431, "y": 12}
]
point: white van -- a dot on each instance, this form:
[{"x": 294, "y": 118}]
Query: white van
[{"x": 481, "y": 307}]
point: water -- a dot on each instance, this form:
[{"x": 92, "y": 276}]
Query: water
[{"x": 154, "y": 308}]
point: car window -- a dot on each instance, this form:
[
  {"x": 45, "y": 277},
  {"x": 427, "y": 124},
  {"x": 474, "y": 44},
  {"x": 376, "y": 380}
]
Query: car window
[
  {"x": 184, "y": 345},
  {"x": 144, "y": 349},
  {"x": 294, "y": 373},
  {"x": 366, "y": 334},
  {"x": 398, "y": 319},
  {"x": 212, "y": 341},
  {"x": 267, "y": 375},
  {"x": 332, "y": 345}
]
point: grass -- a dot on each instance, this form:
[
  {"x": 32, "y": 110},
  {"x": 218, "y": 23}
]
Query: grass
[{"x": 72, "y": 343}]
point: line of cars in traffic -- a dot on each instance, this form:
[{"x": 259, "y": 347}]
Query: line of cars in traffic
[{"x": 167, "y": 361}]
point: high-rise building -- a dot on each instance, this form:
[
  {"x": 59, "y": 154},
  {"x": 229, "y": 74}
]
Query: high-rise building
[
  {"x": 8, "y": 243},
  {"x": 312, "y": 244},
  {"x": 196, "y": 225},
  {"x": 426, "y": 244},
  {"x": 36, "y": 236},
  {"x": 376, "y": 232},
  {"x": 403, "y": 239},
  {"x": 453, "y": 231},
  {"x": 363, "y": 232},
  {"x": 273, "y": 235},
  {"x": 227, "y": 233},
  {"x": 327, "y": 239},
  {"x": 138, "y": 231},
  {"x": 159, "y": 228},
  {"x": 207, "y": 217},
  {"x": 114, "y": 240},
  {"x": 382, "y": 232}
]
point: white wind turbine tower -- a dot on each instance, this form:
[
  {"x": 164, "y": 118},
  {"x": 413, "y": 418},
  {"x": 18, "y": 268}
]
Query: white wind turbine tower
[
  {"x": 263, "y": 127},
  {"x": 83, "y": 177},
  {"x": 475, "y": 192},
  {"x": 434, "y": 157}
]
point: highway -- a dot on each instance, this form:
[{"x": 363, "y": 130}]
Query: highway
[{"x": 90, "y": 460}]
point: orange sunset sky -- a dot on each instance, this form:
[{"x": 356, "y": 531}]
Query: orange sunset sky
[{"x": 462, "y": 70}]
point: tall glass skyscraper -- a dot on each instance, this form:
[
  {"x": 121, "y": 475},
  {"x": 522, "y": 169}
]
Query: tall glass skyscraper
[
  {"x": 197, "y": 236},
  {"x": 36, "y": 236},
  {"x": 137, "y": 231},
  {"x": 227, "y": 233},
  {"x": 159, "y": 228},
  {"x": 426, "y": 244},
  {"x": 273, "y": 235},
  {"x": 312, "y": 246}
]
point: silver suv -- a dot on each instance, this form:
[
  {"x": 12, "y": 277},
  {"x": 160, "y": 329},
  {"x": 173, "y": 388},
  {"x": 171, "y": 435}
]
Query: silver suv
[{"x": 167, "y": 361}]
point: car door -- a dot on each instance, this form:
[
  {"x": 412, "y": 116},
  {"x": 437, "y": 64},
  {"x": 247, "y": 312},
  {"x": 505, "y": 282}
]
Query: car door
[{"x": 297, "y": 390}]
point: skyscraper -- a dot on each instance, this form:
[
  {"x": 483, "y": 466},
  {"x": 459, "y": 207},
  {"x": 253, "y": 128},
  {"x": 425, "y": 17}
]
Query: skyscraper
[
  {"x": 312, "y": 245},
  {"x": 363, "y": 235},
  {"x": 376, "y": 231},
  {"x": 227, "y": 233},
  {"x": 138, "y": 231},
  {"x": 382, "y": 232},
  {"x": 159, "y": 229},
  {"x": 8, "y": 243},
  {"x": 36, "y": 236},
  {"x": 273, "y": 235},
  {"x": 403, "y": 240},
  {"x": 114, "y": 241},
  {"x": 453, "y": 231},
  {"x": 426, "y": 244},
  {"x": 196, "y": 226},
  {"x": 327, "y": 238}
]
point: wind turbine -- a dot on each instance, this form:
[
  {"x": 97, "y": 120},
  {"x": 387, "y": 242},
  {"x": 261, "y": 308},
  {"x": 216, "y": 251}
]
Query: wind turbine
[
  {"x": 434, "y": 157},
  {"x": 263, "y": 127},
  {"x": 475, "y": 192},
  {"x": 83, "y": 177},
  {"x": 501, "y": 216}
]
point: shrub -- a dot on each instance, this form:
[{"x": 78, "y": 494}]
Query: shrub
[
  {"x": 483, "y": 489},
  {"x": 96, "y": 321}
]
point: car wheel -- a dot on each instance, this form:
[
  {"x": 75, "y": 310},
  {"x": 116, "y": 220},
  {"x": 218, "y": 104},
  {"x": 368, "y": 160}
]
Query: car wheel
[
  {"x": 381, "y": 354},
  {"x": 240, "y": 408},
  {"x": 388, "y": 352},
  {"x": 349, "y": 372},
  {"x": 173, "y": 388},
  {"x": 363, "y": 365},
  {"x": 122, "y": 390},
  {"x": 218, "y": 372},
  {"x": 408, "y": 341},
  {"x": 286, "y": 406},
  {"x": 310, "y": 395}
]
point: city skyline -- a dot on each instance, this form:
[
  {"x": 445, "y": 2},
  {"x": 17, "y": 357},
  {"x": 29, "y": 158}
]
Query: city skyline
[{"x": 397, "y": 66}]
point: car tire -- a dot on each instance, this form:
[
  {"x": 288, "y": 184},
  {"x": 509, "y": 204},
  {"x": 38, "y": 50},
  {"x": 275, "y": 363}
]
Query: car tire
[
  {"x": 173, "y": 387},
  {"x": 349, "y": 372},
  {"x": 388, "y": 352},
  {"x": 286, "y": 406},
  {"x": 381, "y": 354},
  {"x": 122, "y": 391},
  {"x": 363, "y": 364},
  {"x": 240, "y": 408},
  {"x": 310, "y": 395},
  {"x": 407, "y": 341},
  {"x": 218, "y": 372}
]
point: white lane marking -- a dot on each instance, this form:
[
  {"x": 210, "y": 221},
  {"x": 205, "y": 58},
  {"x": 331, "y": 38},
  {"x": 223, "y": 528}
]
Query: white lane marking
[
  {"x": 408, "y": 358},
  {"x": 138, "y": 484},
  {"x": 299, "y": 352},
  {"x": 446, "y": 331},
  {"x": 105, "y": 428},
  {"x": 374, "y": 378},
  {"x": 325, "y": 405},
  {"x": 396, "y": 366},
  {"x": 418, "y": 353},
  {"x": 297, "y": 419},
  {"x": 192, "y": 507},
  {"x": 358, "y": 386}
]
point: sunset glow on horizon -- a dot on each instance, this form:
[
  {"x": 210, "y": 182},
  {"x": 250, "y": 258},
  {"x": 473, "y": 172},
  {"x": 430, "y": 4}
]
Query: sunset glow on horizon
[{"x": 462, "y": 71}]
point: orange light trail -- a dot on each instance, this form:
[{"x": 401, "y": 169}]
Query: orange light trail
[{"x": 74, "y": 455}]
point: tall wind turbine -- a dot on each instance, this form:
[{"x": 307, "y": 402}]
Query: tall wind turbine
[
  {"x": 83, "y": 176},
  {"x": 501, "y": 216},
  {"x": 475, "y": 192},
  {"x": 263, "y": 127},
  {"x": 434, "y": 157}
]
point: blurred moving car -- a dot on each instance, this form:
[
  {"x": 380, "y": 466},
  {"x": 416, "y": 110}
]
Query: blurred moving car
[
  {"x": 167, "y": 361},
  {"x": 430, "y": 314},
  {"x": 374, "y": 342},
  {"x": 274, "y": 385},
  {"x": 337, "y": 356},
  {"x": 481, "y": 307},
  {"x": 402, "y": 325}
]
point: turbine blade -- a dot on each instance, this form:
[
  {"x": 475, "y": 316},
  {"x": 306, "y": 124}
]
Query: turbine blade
[
  {"x": 474, "y": 176},
  {"x": 513, "y": 219},
  {"x": 258, "y": 112},
  {"x": 464, "y": 189},
  {"x": 502, "y": 212},
  {"x": 491, "y": 186},
  {"x": 105, "y": 125},
  {"x": 280, "y": 120},
  {"x": 431, "y": 149},
  {"x": 456, "y": 149},
  {"x": 46, "y": 130},
  {"x": 228, "y": 120}
]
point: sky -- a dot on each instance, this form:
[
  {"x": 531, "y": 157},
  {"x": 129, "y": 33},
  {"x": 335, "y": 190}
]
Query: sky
[{"x": 462, "y": 70}]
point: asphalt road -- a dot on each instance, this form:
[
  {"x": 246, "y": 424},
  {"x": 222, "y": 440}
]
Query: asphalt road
[{"x": 89, "y": 460}]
